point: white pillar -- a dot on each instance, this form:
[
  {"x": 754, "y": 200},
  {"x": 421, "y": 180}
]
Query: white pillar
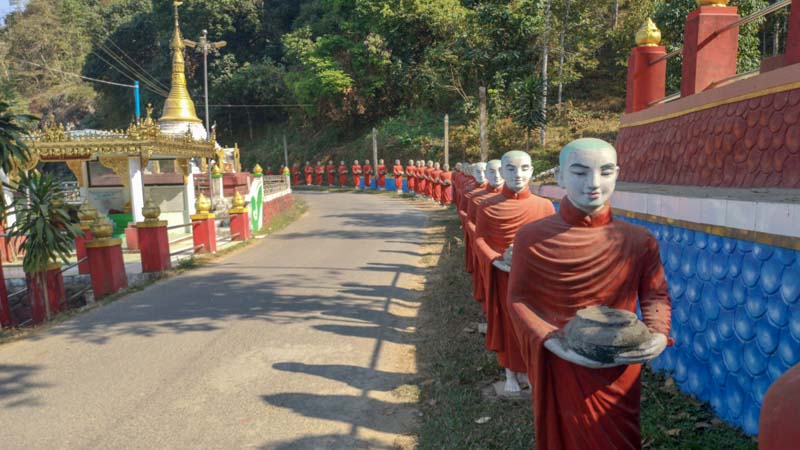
[
  {"x": 136, "y": 188},
  {"x": 188, "y": 192},
  {"x": 85, "y": 177}
]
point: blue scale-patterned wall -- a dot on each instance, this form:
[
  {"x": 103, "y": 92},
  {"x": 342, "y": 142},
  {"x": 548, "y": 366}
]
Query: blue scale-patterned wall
[{"x": 735, "y": 318}]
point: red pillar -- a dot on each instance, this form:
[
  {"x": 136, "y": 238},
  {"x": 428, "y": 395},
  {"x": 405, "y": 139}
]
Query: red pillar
[
  {"x": 240, "y": 223},
  {"x": 708, "y": 57},
  {"x": 80, "y": 249},
  {"x": 6, "y": 319},
  {"x": 107, "y": 266},
  {"x": 54, "y": 283},
  {"x": 204, "y": 232},
  {"x": 792, "y": 55},
  {"x": 646, "y": 82},
  {"x": 132, "y": 237},
  {"x": 154, "y": 243}
]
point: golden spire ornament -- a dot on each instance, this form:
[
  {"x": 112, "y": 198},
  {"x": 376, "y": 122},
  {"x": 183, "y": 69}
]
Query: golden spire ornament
[
  {"x": 712, "y": 2},
  {"x": 648, "y": 35},
  {"x": 179, "y": 106}
]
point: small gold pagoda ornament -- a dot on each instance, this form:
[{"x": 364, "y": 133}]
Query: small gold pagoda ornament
[
  {"x": 202, "y": 205},
  {"x": 648, "y": 35},
  {"x": 238, "y": 204},
  {"x": 712, "y": 2},
  {"x": 258, "y": 171},
  {"x": 150, "y": 211},
  {"x": 87, "y": 214},
  {"x": 102, "y": 228},
  {"x": 216, "y": 172}
]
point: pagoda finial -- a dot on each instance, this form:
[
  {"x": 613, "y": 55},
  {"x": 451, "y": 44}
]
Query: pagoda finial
[{"x": 179, "y": 106}]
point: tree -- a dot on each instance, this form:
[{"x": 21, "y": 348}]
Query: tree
[
  {"x": 43, "y": 225},
  {"x": 527, "y": 107}
]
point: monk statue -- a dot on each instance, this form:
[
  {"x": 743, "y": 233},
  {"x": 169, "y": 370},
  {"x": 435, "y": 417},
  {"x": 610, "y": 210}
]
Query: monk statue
[
  {"x": 309, "y": 172},
  {"x": 411, "y": 181},
  {"x": 356, "y": 168},
  {"x": 476, "y": 188},
  {"x": 397, "y": 171},
  {"x": 494, "y": 183},
  {"x": 579, "y": 258},
  {"x": 331, "y": 170},
  {"x": 429, "y": 180},
  {"x": 381, "y": 170},
  {"x": 498, "y": 220},
  {"x": 422, "y": 183},
  {"x": 295, "y": 174},
  {"x": 342, "y": 174},
  {"x": 446, "y": 179},
  {"x": 437, "y": 182},
  {"x": 319, "y": 171}
]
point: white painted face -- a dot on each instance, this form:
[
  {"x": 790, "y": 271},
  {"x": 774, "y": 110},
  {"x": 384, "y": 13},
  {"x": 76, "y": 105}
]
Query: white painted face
[
  {"x": 410, "y": 162},
  {"x": 380, "y": 161},
  {"x": 396, "y": 162},
  {"x": 479, "y": 172},
  {"x": 355, "y": 162},
  {"x": 436, "y": 166},
  {"x": 342, "y": 163},
  {"x": 493, "y": 168},
  {"x": 517, "y": 170},
  {"x": 458, "y": 167},
  {"x": 589, "y": 175}
]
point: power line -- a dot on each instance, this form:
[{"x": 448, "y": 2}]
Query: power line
[
  {"x": 145, "y": 80},
  {"x": 152, "y": 78},
  {"x": 76, "y": 75},
  {"x": 259, "y": 106}
]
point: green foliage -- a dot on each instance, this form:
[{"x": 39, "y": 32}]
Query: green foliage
[
  {"x": 43, "y": 222},
  {"x": 13, "y": 127},
  {"x": 526, "y": 105}
]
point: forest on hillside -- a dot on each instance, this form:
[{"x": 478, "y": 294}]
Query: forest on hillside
[{"x": 326, "y": 71}]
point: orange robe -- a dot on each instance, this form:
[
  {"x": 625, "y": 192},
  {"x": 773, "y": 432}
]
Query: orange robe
[
  {"x": 465, "y": 199},
  {"x": 309, "y": 171},
  {"x": 331, "y": 175},
  {"x": 320, "y": 172},
  {"x": 458, "y": 179},
  {"x": 780, "y": 414},
  {"x": 269, "y": 172},
  {"x": 437, "y": 185},
  {"x": 429, "y": 174},
  {"x": 397, "y": 171},
  {"x": 447, "y": 189},
  {"x": 473, "y": 206},
  {"x": 356, "y": 168},
  {"x": 381, "y": 176},
  {"x": 295, "y": 176},
  {"x": 561, "y": 264},
  {"x": 422, "y": 183},
  {"x": 342, "y": 175},
  {"x": 411, "y": 178},
  {"x": 367, "y": 175},
  {"x": 497, "y": 222}
]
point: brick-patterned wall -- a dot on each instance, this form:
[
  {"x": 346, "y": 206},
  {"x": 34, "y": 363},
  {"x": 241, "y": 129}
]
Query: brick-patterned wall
[{"x": 750, "y": 143}]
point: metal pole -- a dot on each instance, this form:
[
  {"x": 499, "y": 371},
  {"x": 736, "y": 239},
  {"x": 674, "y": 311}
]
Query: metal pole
[
  {"x": 285, "y": 151},
  {"x": 205, "y": 82},
  {"x": 374, "y": 151},
  {"x": 136, "y": 99},
  {"x": 447, "y": 139}
]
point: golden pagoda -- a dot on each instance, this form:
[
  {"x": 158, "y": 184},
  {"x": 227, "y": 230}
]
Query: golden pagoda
[{"x": 179, "y": 113}]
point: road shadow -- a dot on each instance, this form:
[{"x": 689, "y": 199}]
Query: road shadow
[
  {"x": 16, "y": 385},
  {"x": 354, "y": 376}
]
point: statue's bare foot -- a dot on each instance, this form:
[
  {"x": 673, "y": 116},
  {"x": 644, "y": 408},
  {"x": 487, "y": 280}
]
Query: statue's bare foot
[
  {"x": 522, "y": 378},
  {"x": 512, "y": 386}
]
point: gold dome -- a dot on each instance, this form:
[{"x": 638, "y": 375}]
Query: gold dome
[
  {"x": 648, "y": 35},
  {"x": 216, "y": 171},
  {"x": 102, "y": 228},
  {"x": 238, "y": 200},
  {"x": 87, "y": 213},
  {"x": 150, "y": 211},
  {"x": 712, "y": 2},
  {"x": 258, "y": 170},
  {"x": 179, "y": 106},
  {"x": 203, "y": 204}
]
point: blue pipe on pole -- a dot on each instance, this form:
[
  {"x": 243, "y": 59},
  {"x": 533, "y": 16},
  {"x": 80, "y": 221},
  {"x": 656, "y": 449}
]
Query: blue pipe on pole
[{"x": 136, "y": 99}]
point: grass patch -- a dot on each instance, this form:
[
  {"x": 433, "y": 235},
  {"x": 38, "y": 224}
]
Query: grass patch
[
  {"x": 285, "y": 218},
  {"x": 454, "y": 367}
]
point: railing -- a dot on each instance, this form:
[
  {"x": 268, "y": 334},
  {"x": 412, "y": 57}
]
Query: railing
[{"x": 274, "y": 183}]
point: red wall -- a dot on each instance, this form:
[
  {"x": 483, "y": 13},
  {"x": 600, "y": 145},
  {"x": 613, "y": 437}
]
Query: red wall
[{"x": 750, "y": 143}]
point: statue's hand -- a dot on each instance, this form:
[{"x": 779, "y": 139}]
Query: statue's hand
[
  {"x": 649, "y": 350},
  {"x": 556, "y": 346}
]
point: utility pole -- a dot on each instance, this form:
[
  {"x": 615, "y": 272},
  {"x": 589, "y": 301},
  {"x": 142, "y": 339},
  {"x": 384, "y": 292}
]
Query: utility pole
[
  {"x": 375, "y": 150},
  {"x": 447, "y": 139},
  {"x": 285, "y": 151},
  {"x": 484, "y": 124},
  {"x": 204, "y": 46}
]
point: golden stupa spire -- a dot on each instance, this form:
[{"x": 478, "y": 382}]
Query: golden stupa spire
[{"x": 179, "y": 106}]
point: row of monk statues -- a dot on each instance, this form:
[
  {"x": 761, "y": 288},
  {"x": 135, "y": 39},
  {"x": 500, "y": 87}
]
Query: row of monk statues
[
  {"x": 431, "y": 180},
  {"x": 559, "y": 293}
]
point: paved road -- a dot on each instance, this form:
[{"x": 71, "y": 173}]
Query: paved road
[{"x": 300, "y": 341}]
